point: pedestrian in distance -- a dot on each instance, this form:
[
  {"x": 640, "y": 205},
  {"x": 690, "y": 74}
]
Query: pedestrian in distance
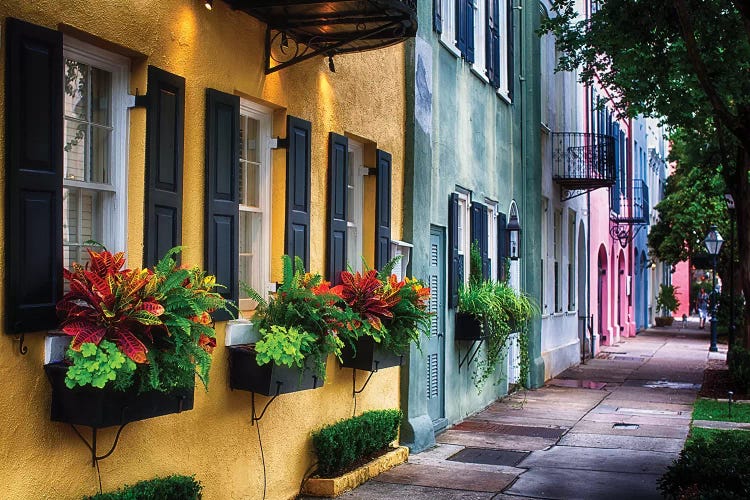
[{"x": 701, "y": 303}]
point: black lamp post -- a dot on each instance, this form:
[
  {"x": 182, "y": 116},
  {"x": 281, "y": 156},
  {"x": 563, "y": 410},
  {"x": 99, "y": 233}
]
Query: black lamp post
[
  {"x": 713, "y": 244},
  {"x": 730, "y": 208}
]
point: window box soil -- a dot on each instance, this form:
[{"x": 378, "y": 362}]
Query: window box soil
[
  {"x": 468, "y": 327},
  {"x": 269, "y": 379},
  {"x": 107, "y": 407},
  {"x": 368, "y": 355}
]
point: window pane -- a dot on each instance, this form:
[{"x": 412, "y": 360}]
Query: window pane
[
  {"x": 74, "y": 152},
  {"x": 352, "y": 257},
  {"x": 252, "y": 140},
  {"x": 100, "y": 155},
  {"x": 76, "y": 90},
  {"x": 101, "y": 98},
  {"x": 253, "y": 185},
  {"x": 70, "y": 216},
  {"x": 250, "y": 245}
]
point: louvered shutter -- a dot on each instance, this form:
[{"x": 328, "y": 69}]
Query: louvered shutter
[
  {"x": 165, "y": 125},
  {"x": 383, "y": 209},
  {"x": 493, "y": 43},
  {"x": 469, "y": 19},
  {"x": 510, "y": 68},
  {"x": 297, "y": 242},
  {"x": 460, "y": 24},
  {"x": 437, "y": 15},
  {"x": 502, "y": 246},
  {"x": 455, "y": 271},
  {"x": 33, "y": 182},
  {"x": 338, "y": 168},
  {"x": 222, "y": 193}
]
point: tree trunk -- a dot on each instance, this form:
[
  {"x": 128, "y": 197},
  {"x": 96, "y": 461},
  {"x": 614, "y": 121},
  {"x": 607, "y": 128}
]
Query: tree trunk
[{"x": 742, "y": 204}]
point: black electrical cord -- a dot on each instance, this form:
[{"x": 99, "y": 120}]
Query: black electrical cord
[{"x": 262, "y": 459}]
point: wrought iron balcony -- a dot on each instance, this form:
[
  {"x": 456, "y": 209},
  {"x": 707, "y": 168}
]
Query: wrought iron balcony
[
  {"x": 298, "y": 30},
  {"x": 634, "y": 208},
  {"x": 583, "y": 161}
]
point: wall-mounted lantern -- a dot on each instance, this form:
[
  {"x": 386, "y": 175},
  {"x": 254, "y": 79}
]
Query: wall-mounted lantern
[{"x": 514, "y": 233}]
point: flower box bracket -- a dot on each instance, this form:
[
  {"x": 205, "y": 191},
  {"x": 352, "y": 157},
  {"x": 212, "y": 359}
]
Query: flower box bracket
[
  {"x": 255, "y": 417},
  {"x": 92, "y": 445},
  {"x": 354, "y": 381},
  {"x": 471, "y": 353}
]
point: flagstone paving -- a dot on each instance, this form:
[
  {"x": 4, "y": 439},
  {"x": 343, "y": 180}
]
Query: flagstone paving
[{"x": 606, "y": 429}]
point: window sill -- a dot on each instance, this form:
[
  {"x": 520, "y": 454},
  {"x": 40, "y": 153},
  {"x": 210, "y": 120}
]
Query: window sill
[
  {"x": 451, "y": 48},
  {"x": 479, "y": 73},
  {"x": 241, "y": 331},
  {"x": 55, "y": 345},
  {"x": 503, "y": 94}
]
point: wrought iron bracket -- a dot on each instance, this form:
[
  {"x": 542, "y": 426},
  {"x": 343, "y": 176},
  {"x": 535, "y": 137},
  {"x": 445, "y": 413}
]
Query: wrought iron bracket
[
  {"x": 354, "y": 380},
  {"x": 569, "y": 194},
  {"x": 92, "y": 445},
  {"x": 22, "y": 348},
  {"x": 471, "y": 353},
  {"x": 263, "y": 412},
  {"x": 624, "y": 232},
  {"x": 299, "y": 52}
]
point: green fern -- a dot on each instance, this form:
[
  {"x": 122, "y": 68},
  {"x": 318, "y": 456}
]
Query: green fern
[{"x": 388, "y": 268}]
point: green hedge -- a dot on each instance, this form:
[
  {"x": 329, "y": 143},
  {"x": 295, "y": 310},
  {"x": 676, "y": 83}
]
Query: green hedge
[
  {"x": 340, "y": 445},
  {"x": 160, "y": 488},
  {"x": 712, "y": 466}
]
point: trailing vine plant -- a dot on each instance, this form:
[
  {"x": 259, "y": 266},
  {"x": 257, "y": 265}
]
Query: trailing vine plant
[{"x": 501, "y": 312}]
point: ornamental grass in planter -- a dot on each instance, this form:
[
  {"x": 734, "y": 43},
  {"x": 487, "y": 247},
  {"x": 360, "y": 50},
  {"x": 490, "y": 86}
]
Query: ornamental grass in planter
[
  {"x": 354, "y": 450},
  {"x": 139, "y": 338},
  {"x": 498, "y": 311}
]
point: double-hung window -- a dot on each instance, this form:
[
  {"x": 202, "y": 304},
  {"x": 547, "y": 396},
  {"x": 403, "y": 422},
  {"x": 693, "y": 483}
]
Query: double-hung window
[
  {"x": 255, "y": 208},
  {"x": 355, "y": 205},
  {"x": 95, "y": 125},
  {"x": 557, "y": 254},
  {"x": 572, "y": 259},
  {"x": 464, "y": 234},
  {"x": 492, "y": 238}
]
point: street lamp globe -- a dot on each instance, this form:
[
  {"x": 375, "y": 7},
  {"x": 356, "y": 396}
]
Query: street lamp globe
[{"x": 713, "y": 241}]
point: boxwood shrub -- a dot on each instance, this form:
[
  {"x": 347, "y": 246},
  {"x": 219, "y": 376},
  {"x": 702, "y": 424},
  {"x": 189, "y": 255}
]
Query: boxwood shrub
[
  {"x": 712, "y": 466},
  {"x": 160, "y": 488},
  {"x": 340, "y": 445}
]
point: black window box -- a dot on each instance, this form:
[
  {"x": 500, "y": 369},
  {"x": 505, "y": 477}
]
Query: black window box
[
  {"x": 107, "y": 407},
  {"x": 269, "y": 379},
  {"x": 468, "y": 327},
  {"x": 368, "y": 356}
]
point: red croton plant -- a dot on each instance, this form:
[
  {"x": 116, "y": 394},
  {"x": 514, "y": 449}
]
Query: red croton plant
[{"x": 158, "y": 318}]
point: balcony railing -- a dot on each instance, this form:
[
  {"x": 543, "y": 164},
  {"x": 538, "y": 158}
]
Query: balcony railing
[
  {"x": 633, "y": 209},
  {"x": 298, "y": 30},
  {"x": 582, "y": 161}
]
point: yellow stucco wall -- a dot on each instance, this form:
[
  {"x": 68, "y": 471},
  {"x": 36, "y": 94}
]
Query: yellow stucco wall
[{"x": 220, "y": 49}]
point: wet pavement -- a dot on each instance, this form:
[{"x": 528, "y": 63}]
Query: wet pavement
[{"x": 606, "y": 429}]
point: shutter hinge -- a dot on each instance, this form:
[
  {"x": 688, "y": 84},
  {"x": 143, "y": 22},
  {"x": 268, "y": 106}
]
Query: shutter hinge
[
  {"x": 278, "y": 143},
  {"x": 371, "y": 171},
  {"x": 137, "y": 100}
]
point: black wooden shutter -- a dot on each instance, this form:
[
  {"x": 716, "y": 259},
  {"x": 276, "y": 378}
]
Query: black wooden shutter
[
  {"x": 469, "y": 18},
  {"x": 511, "y": 61},
  {"x": 493, "y": 43},
  {"x": 502, "y": 246},
  {"x": 33, "y": 183},
  {"x": 455, "y": 274},
  {"x": 338, "y": 169},
  {"x": 222, "y": 193},
  {"x": 297, "y": 242},
  {"x": 165, "y": 124},
  {"x": 437, "y": 15},
  {"x": 460, "y": 24},
  {"x": 383, "y": 209}
]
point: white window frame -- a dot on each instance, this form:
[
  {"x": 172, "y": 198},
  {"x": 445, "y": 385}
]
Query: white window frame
[
  {"x": 448, "y": 33},
  {"x": 480, "y": 42},
  {"x": 572, "y": 261},
  {"x": 492, "y": 237},
  {"x": 557, "y": 243},
  {"x": 264, "y": 116},
  {"x": 114, "y": 217},
  {"x": 358, "y": 171},
  {"x": 464, "y": 231},
  {"x": 503, "y": 31}
]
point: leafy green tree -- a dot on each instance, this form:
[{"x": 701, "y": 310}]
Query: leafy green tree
[{"x": 685, "y": 60}]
